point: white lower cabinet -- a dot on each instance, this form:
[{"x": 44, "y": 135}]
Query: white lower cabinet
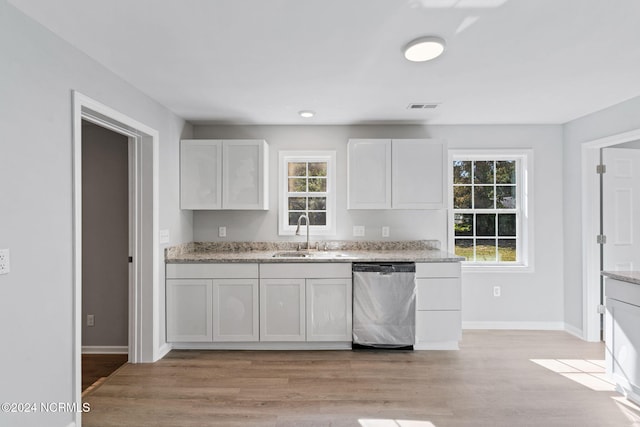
[
  {"x": 189, "y": 310},
  {"x": 282, "y": 310},
  {"x": 438, "y": 306},
  {"x": 329, "y": 309},
  {"x": 235, "y": 310}
]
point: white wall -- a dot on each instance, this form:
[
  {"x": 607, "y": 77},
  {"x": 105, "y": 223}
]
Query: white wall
[
  {"x": 529, "y": 299},
  {"x": 37, "y": 75},
  {"x": 620, "y": 118}
]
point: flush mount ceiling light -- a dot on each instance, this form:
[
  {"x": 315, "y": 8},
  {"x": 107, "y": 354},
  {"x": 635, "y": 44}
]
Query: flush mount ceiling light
[
  {"x": 424, "y": 49},
  {"x": 306, "y": 114}
]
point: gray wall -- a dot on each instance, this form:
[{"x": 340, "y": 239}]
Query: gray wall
[
  {"x": 37, "y": 76},
  {"x": 533, "y": 299},
  {"x": 105, "y": 236},
  {"x": 614, "y": 120}
]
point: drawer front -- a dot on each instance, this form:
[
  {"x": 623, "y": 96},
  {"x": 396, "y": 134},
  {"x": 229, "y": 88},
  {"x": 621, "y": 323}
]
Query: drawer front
[
  {"x": 438, "y": 326},
  {"x": 438, "y": 269},
  {"x": 439, "y": 294},
  {"x": 212, "y": 271},
  {"x": 322, "y": 270}
]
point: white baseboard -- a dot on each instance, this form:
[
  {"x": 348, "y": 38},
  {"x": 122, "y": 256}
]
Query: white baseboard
[
  {"x": 533, "y": 326},
  {"x": 570, "y": 329},
  {"x": 163, "y": 351},
  {"x": 445, "y": 345},
  {"x": 105, "y": 349}
]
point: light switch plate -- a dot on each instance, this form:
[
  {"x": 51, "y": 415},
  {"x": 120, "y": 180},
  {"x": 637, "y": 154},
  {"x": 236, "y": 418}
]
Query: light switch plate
[
  {"x": 358, "y": 231},
  {"x": 164, "y": 237},
  {"x": 5, "y": 265}
]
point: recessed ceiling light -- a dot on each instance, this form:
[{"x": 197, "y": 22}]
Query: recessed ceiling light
[
  {"x": 306, "y": 114},
  {"x": 424, "y": 49}
]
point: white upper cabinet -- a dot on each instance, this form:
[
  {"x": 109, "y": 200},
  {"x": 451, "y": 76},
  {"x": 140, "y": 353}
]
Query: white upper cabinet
[
  {"x": 229, "y": 174},
  {"x": 369, "y": 174},
  {"x": 396, "y": 174},
  {"x": 418, "y": 174},
  {"x": 200, "y": 174}
]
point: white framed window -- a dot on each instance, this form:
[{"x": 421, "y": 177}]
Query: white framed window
[
  {"x": 307, "y": 187},
  {"x": 490, "y": 222}
]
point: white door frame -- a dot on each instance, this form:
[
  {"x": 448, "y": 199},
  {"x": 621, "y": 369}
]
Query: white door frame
[
  {"x": 591, "y": 228},
  {"x": 144, "y": 286}
]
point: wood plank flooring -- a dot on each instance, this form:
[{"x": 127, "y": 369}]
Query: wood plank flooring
[
  {"x": 491, "y": 381},
  {"x": 97, "y": 366}
]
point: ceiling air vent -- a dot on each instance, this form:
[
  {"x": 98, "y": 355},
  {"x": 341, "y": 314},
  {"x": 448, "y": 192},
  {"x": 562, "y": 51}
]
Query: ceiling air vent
[{"x": 423, "y": 106}]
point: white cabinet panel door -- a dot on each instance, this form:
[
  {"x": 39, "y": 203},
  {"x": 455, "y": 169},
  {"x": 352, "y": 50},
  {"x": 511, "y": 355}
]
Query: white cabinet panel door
[
  {"x": 621, "y": 204},
  {"x": 623, "y": 345},
  {"x": 282, "y": 310},
  {"x": 245, "y": 174},
  {"x": 235, "y": 310},
  {"x": 200, "y": 174},
  {"x": 418, "y": 177},
  {"x": 369, "y": 174},
  {"x": 189, "y": 310},
  {"x": 329, "y": 309}
]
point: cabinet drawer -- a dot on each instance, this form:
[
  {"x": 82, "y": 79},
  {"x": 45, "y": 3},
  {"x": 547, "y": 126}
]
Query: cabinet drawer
[
  {"x": 438, "y": 326},
  {"x": 439, "y": 294},
  {"x": 212, "y": 271},
  {"x": 305, "y": 270},
  {"x": 438, "y": 269}
]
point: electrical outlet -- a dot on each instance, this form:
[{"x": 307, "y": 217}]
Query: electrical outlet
[
  {"x": 91, "y": 320},
  {"x": 358, "y": 231},
  {"x": 496, "y": 291},
  {"x": 5, "y": 265},
  {"x": 222, "y": 231},
  {"x": 164, "y": 237},
  {"x": 385, "y": 231}
]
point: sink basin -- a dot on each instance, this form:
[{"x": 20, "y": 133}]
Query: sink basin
[
  {"x": 291, "y": 254},
  {"x": 301, "y": 254}
]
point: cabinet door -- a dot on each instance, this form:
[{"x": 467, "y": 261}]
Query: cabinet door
[
  {"x": 200, "y": 174},
  {"x": 622, "y": 341},
  {"x": 189, "y": 310},
  {"x": 369, "y": 174},
  {"x": 418, "y": 174},
  {"x": 245, "y": 174},
  {"x": 328, "y": 309},
  {"x": 282, "y": 310},
  {"x": 235, "y": 310}
]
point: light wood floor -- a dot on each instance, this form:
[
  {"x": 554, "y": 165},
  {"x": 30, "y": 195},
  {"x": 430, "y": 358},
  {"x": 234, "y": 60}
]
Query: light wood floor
[{"x": 491, "y": 381}]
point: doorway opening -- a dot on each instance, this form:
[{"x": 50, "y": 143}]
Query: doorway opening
[{"x": 143, "y": 271}]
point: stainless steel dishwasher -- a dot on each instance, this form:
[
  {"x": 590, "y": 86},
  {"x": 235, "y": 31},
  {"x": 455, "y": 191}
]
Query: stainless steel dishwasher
[{"x": 384, "y": 305}]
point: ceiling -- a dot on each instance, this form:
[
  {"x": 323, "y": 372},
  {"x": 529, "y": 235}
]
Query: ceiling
[{"x": 262, "y": 61}]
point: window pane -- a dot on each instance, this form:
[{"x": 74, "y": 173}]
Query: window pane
[
  {"x": 297, "y": 185},
  {"x": 318, "y": 169},
  {"x": 293, "y": 218},
  {"x": 486, "y": 225},
  {"x": 505, "y": 197},
  {"x": 297, "y": 203},
  {"x": 507, "y": 225},
  {"x": 483, "y": 197},
  {"x": 318, "y": 218},
  {"x": 463, "y": 224},
  {"x": 483, "y": 172},
  {"x": 317, "y": 185},
  {"x": 317, "y": 203},
  {"x": 464, "y": 247},
  {"x": 507, "y": 250},
  {"x": 297, "y": 169},
  {"x": 506, "y": 172},
  {"x": 462, "y": 197},
  {"x": 486, "y": 250},
  {"x": 461, "y": 172}
]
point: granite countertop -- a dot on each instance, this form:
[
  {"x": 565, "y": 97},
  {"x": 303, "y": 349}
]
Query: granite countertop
[
  {"x": 625, "y": 276},
  {"x": 336, "y": 251}
]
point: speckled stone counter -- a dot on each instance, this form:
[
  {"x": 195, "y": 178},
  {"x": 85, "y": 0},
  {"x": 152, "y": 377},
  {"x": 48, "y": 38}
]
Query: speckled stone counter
[
  {"x": 624, "y": 276},
  {"x": 329, "y": 251}
]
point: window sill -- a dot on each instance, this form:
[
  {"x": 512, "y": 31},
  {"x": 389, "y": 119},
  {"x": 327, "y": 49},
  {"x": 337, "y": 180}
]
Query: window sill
[{"x": 469, "y": 267}]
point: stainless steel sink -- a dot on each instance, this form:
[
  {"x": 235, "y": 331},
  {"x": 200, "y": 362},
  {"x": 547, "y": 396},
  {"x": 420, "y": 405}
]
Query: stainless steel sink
[{"x": 291, "y": 254}]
